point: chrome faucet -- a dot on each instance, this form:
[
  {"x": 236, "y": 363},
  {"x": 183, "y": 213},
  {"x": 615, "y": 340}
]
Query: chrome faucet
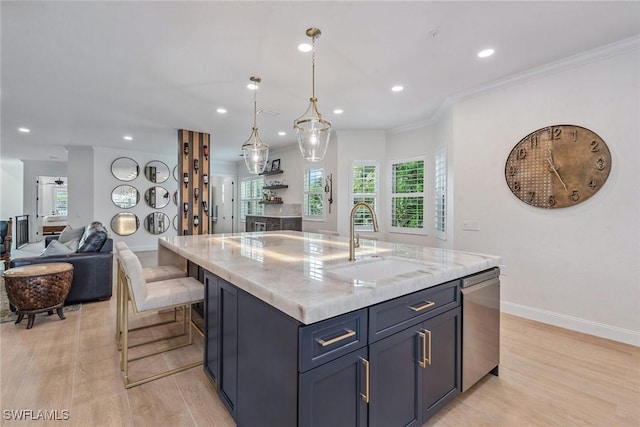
[{"x": 354, "y": 242}]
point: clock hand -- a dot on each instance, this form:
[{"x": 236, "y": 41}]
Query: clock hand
[{"x": 553, "y": 168}]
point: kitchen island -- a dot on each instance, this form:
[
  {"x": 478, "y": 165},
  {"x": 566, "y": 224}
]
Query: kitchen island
[{"x": 297, "y": 335}]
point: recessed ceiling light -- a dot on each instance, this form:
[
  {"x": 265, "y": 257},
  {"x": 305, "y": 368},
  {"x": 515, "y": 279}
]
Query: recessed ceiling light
[
  {"x": 485, "y": 53},
  {"x": 252, "y": 86},
  {"x": 338, "y": 111},
  {"x": 397, "y": 88},
  {"x": 304, "y": 47},
  {"x": 282, "y": 133},
  {"x": 221, "y": 110},
  {"x": 128, "y": 137},
  {"x": 24, "y": 130}
]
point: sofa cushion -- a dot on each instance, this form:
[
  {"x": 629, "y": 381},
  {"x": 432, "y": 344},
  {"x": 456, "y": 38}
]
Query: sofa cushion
[
  {"x": 1, "y": 248},
  {"x": 70, "y": 233},
  {"x": 93, "y": 238},
  {"x": 56, "y": 248}
]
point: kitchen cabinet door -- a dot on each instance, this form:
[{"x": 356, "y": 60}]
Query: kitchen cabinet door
[
  {"x": 441, "y": 380},
  {"x": 211, "y": 329},
  {"x": 396, "y": 380},
  {"x": 228, "y": 345},
  {"x": 331, "y": 394}
]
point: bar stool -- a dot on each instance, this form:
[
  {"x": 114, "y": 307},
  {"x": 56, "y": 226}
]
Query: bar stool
[
  {"x": 151, "y": 274},
  {"x": 153, "y": 297}
]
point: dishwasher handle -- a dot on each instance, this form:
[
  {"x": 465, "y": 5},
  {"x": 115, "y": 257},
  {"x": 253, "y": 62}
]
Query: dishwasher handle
[{"x": 481, "y": 277}]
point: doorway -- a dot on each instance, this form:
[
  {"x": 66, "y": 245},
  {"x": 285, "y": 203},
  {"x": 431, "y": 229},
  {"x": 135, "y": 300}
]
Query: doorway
[
  {"x": 51, "y": 205},
  {"x": 222, "y": 204}
]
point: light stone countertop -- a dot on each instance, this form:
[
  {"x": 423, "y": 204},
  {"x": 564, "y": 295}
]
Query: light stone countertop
[
  {"x": 292, "y": 271},
  {"x": 276, "y": 216}
]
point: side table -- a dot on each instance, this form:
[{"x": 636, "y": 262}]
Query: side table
[{"x": 37, "y": 288}]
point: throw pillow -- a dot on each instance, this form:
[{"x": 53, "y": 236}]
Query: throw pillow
[
  {"x": 95, "y": 225},
  {"x": 56, "y": 248},
  {"x": 68, "y": 234},
  {"x": 72, "y": 244}
]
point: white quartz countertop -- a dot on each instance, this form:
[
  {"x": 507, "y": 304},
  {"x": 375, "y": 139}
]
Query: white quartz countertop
[{"x": 296, "y": 272}]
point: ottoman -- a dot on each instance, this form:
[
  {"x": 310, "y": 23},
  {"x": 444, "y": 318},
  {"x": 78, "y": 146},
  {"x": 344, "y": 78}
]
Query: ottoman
[{"x": 36, "y": 288}]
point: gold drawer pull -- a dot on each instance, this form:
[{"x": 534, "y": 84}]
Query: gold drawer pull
[
  {"x": 426, "y": 304},
  {"x": 348, "y": 333},
  {"x": 365, "y": 396},
  {"x": 425, "y": 336}
]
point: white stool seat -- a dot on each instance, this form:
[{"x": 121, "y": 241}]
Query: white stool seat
[
  {"x": 167, "y": 293},
  {"x": 162, "y": 272}
]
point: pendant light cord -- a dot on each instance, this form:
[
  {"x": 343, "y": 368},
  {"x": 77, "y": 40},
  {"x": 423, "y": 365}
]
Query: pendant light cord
[
  {"x": 313, "y": 67},
  {"x": 255, "y": 104}
]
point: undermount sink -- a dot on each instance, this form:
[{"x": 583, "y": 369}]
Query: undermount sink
[{"x": 375, "y": 269}]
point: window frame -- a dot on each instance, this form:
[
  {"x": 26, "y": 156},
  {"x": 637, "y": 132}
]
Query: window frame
[
  {"x": 375, "y": 195},
  {"x": 305, "y": 193},
  {"x": 256, "y": 198},
  {"x": 423, "y": 194},
  {"x": 440, "y": 173}
]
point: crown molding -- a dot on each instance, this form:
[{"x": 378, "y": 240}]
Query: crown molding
[{"x": 580, "y": 59}]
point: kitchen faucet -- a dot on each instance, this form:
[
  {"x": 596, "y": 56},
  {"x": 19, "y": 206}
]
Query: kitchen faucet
[{"x": 355, "y": 242}]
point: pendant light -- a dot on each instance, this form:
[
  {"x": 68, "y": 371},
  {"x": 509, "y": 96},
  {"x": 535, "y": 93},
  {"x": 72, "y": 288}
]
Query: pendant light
[
  {"x": 312, "y": 130},
  {"x": 254, "y": 151}
]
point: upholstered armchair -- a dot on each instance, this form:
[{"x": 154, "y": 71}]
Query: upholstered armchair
[{"x": 5, "y": 241}]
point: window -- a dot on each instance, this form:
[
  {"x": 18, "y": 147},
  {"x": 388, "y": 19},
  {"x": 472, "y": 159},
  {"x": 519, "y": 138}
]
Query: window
[
  {"x": 313, "y": 203},
  {"x": 250, "y": 197},
  {"x": 407, "y": 195},
  {"x": 364, "y": 188},
  {"x": 440, "y": 192},
  {"x": 60, "y": 201}
]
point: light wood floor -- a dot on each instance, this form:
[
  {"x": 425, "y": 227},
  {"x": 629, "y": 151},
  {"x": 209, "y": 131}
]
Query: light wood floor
[{"x": 548, "y": 377}]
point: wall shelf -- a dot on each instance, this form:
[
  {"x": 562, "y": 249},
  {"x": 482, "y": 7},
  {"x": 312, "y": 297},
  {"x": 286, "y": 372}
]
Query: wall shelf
[
  {"x": 274, "y": 187},
  {"x": 270, "y": 203},
  {"x": 276, "y": 172}
]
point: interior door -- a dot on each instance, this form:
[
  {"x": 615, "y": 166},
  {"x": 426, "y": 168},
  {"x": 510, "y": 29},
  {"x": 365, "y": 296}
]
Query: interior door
[{"x": 222, "y": 204}]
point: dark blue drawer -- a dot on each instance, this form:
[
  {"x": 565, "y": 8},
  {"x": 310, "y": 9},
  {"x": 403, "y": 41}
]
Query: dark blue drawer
[{"x": 329, "y": 339}]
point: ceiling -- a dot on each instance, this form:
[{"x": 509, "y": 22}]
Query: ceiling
[{"x": 89, "y": 73}]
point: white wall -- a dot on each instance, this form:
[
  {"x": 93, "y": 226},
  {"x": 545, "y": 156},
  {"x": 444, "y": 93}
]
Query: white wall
[
  {"x": 105, "y": 182},
  {"x": 577, "y": 267},
  {"x": 80, "y": 189},
  {"x": 11, "y": 184}
]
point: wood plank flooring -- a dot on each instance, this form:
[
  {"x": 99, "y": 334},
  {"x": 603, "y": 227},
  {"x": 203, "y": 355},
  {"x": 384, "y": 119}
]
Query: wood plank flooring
[{"x": 548, "y": 377}]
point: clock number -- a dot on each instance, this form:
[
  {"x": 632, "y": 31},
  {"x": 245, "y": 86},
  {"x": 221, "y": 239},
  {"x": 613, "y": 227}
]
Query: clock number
[
  {"x": 575, "y": 196},
  {"x": 534, "y": 141},
  {"x": 522, "y": 153},
  {"x": 594, "y": 146},
  {"x": 516, "y": 186},
  {"x": 555, "y": 133},
  {"x": 512, "y": 170},
  {"x": 552, "y": 201},
  {"x": 574, "y": 132},
  {"x": 600, "y": 164},
  {"x": 532, "y": 195},
  {"x": 593, "y": 184}
]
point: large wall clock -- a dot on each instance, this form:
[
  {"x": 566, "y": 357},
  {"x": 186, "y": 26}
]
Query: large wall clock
[{"x": 558, "y": 166}]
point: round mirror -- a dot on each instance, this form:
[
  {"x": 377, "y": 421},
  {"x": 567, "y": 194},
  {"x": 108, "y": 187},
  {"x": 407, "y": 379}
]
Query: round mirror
[
  {"x": 156, "y": 223},
  {"x": 125, "y": 169},
  {"x": 156, "y": 171},
  {"x": 157, "y": 197},
  {"x": 125, "y": 196},
  {"x": 124, "y": 223},
  {"x": 175, "y": 198},
  {"x": 175, "y": 172},
  {"x": 175, "y": 222}
]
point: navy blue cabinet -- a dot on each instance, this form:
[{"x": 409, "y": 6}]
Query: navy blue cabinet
[
  {"x": 335, "y": 394},
  {"x": 392, "y": 364},
  {"x": 221, "y": 337}
]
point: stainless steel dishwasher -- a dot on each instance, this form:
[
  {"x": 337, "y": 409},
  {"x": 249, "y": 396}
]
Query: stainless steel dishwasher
[{"x": 480, "y": 326}]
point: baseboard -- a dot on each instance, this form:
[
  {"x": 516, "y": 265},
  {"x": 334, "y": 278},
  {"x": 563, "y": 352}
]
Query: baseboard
[{"x": 574, "y": 323}]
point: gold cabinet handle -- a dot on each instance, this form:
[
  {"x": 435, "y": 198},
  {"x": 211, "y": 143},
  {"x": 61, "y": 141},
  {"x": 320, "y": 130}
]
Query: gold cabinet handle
[
  {"x": 426, "y": 304},
  {"x": 425, "y": 336},
  {"x": 365, "y": 396},
  {"x": 348, "y": 333}
]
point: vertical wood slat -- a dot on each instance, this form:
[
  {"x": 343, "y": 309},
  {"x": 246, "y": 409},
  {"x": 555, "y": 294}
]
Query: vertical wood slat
[{"x": 187, "y": 165}]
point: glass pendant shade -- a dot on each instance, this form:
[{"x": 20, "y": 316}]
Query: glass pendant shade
[
  {"x": 312, "y": 130},
  {"x": 255, "y": 153},
  {"x": 313, "y": 133}
]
